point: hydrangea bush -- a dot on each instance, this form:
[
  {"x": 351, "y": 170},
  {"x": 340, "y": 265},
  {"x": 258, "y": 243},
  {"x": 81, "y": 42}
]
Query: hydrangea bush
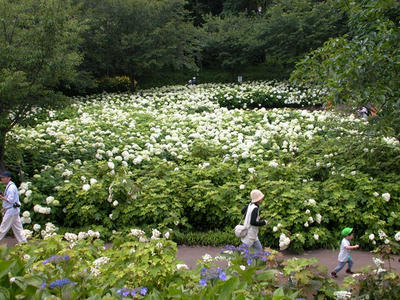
[
  {"x": 172, "y": 157},
  {"x": 136, "y": 266}
]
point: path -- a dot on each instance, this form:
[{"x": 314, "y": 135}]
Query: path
[{"x": 190, "y": 255}]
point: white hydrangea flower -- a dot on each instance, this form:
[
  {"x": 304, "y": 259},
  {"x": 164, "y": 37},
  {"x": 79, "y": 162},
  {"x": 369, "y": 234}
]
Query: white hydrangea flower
[
  {"x": 242, "y": 186},
  {"x": 137, "y": 232},
  {"x": 378, "y": 262},
  {"x": 111, "y": 165},
  {"x": 49, "y": 200},
  {"x": 371, "y": 236},
  {"x": 207, "y": 258},
  {"x": 155, "y": 234},
  {"x": 318, "y": 218},
  {"x": 166, "y": 235},
  {"x": 82, "y": 235},
  {"x": 342, "y": 295},
  {"x": 27, "y": 233},
  {"x": 381, "y": 234},
  {"x": 308, "y": 211},
  {"x": 376, "y": 194},
  {"x": 397, "y": 236},
  {"x": 273, "y": 164},
  {"x": 93, "y": 181},
  {"x": 86, "y": 187},
  {"x": 182, "y": 267},
  {"x": 251, "y": 170},
  {"x": 242, "y": 267},
  {"x": 275, "y": 229},
  {"x": 115, "y": 203},
  {"x": 306, "y": 224},
  {"x": 36, "y": 227},
  {"x": 312, "y": 202},
  {"x": 26, "y": 214},
  {"x": 284, "y": 241},
  {"x": 100, "y": 261},
  {"x": 386, "y": 197},
  {"x": 316, "y": 236}
]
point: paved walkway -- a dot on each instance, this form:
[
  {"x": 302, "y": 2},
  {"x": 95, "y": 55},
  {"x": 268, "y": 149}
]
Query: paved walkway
[{"x": 190, "y": 255}]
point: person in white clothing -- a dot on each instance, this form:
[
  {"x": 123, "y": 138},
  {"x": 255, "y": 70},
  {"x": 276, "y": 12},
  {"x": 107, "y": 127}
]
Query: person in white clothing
[
  {"x": 253, "y": 217},
  {"x": 10, "y": 211},
  {"x": 344, "y": 253}
]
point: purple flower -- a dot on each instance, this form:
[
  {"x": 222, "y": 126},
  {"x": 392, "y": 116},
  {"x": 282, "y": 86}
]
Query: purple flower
[
  {"x": 125, "y": 293},
  {"x": 133, "y": 293},
  {"x": 249, "y": 261},
  {"x": 55, "y": 259},
  {"x": 203, "y": 282},
  {"x": 143, "y": 291},
  {"x": 59, "y": 283},
  {"x": 222, "y": 276},
  {"x": 43, "y": 286},
  {"x": 203, "y": 271}
]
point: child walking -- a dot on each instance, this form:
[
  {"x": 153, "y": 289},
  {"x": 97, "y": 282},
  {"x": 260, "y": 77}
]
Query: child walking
[{"x": 344, "y": 254}]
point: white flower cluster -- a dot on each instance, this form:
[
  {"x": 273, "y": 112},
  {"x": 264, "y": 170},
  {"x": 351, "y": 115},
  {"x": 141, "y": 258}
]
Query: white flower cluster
[
  {"x": 386, "y": 197},
  {"x": 155, "y": 234},
  {"x": 207, "y": 258},
  {"x": 41, "y": 210},
  {"x": 284, "y": 241},
  {"x": 26, "y": 217},
  {"x": 27, "y": 233},
  {"x": 100, "y": 261},
  {"x": 397, "y": 236},
  {"x": 49, "y": 231},
  {"x": 378, "y": 262},
  {"x": 182, "y": 267},
  {"x": 342, "y": 295},
  {"x": 73, "y": 238},
  {"x": 277, "y": 227}
]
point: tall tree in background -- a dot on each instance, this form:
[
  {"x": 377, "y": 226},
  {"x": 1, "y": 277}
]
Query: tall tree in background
[
  {"x": 138, "y": 37},
  {"x": 38, "y": 48},
  {"x": 295, "y": 27},
  {"x": 232, "y": 42},
  {"x": 364, "y": 65}
]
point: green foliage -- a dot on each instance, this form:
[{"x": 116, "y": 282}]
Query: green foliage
[
  {"x": 209, "y": 238},
  {"x": 133, "y": 160},
  {"x": 38, "y": 49},
  {"x": 363, "y": 66},
  {"x": 232, "y": 41},
  {"x": 136, "y": 38}
]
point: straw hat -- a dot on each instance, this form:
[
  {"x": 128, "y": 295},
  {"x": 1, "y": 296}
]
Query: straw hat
[{"x": 256, "y": 196}]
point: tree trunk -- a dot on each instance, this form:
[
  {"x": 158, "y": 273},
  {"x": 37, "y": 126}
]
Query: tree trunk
[{"x": 3, "y": 133}]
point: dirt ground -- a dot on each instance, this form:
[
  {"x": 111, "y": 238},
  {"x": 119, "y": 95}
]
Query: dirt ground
[{"x": 191, "y": 254}]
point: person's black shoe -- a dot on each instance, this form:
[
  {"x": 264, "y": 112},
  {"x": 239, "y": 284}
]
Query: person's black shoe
[
  {"x": 349, "y": 271},
  {"x": 334, "y": 274}
]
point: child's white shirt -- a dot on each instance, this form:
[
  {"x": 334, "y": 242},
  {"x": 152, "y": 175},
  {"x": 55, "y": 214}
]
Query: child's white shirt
[{"x": 344, "y": 253}]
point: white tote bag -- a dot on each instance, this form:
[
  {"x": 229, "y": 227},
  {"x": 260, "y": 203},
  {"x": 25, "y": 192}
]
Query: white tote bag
[{"x": 241, "y": 230}]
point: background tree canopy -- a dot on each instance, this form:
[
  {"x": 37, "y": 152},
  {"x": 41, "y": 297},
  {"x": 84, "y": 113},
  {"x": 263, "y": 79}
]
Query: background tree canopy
[
  {"x": 362, "y": 66},
  {"x": 38, "y": 48}
]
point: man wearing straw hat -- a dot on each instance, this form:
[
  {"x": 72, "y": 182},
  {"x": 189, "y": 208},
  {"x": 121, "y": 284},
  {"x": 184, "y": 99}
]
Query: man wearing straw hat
[
  {"x": 253, "y": 217},
  {"x": 10, "y": 211}
]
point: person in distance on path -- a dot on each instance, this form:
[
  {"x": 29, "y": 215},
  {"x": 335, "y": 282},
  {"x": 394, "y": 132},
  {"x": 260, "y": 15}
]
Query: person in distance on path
[{"x": 10, "y": 211}]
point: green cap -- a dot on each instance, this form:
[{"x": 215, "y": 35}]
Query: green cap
[{"x": 347, "y": 231}]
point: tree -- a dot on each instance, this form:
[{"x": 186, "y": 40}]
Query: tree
[
  {"x": 38, "y": 48},
  {"x": 232, "y": 41},
  {"x": 295, "y": 27},
  {"x": 138, "y": 37},
  {"x": 362, "y": 66}
]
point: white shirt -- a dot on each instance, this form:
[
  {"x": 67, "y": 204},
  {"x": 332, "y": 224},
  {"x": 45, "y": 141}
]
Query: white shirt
[
  {"x": 11, "y": 194},
  {"x": 344, "y": 253}
]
